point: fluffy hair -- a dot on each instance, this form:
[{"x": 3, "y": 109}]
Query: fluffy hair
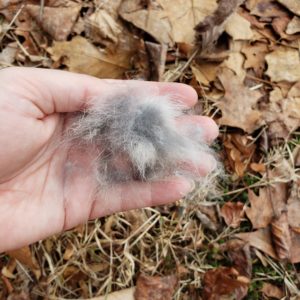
[{"x": 138, "y": 137}]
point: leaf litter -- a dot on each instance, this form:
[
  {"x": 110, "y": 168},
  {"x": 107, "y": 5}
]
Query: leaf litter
[{"x": 242, "y": 57}]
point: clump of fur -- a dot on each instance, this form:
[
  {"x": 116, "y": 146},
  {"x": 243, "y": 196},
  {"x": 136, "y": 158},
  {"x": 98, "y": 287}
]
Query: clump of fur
[{"x": 138, "y": 138}]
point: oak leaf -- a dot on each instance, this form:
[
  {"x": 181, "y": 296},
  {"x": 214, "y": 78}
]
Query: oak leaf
[{"x": 238, "y": 105}]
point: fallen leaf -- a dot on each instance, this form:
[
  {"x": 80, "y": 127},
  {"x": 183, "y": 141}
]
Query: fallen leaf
[
  {"x": 205, "y": 73},
  {"x": 260, "y": 239},
  {"x": 235, "y": 62},
  {"x": 283, "y": 64},
  {"x": 292, "y": 5},
  {"x": 293, "y": 207},
  {"x": 261, "y": 211},
  {"x": 25, "y": 257},
  {"x": 239, "y": 28},
  {"x": 224, "y": 281},
  {"x": 166, "y": 22},
  {"x": 126, "y": 294},
  {"x": 155, "y": 287},
  {"x": 57, "y": 21},
  {"x": 293, "y": 26},
  {"x": 272, "y": 291},
  {"x": 233, "y": 213},
  {"x": 283, "y": 113},
  {"x": 258, "y": 167},
  {"x": 19, "y": 296},
  {"x": 281, "y": 236},
  {"x": 83, "y": 57},
  {"x": 8, "y": 54},
  {"x": 238, "y": 104},
  {"x": 266, "y": 9}
]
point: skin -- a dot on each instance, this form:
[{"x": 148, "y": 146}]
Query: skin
[{"x": 40, "y": 194}]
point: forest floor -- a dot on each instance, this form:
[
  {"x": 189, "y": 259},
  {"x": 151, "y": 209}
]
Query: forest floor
[{"x": 243, "y": 59}]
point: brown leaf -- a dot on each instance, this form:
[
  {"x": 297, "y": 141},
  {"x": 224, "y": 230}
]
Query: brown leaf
[
  {"x": 167, "y": 23},
  {"x": 25, "y": 257},
  {"x": 293, "y": 207},
  {"x": 293, "y": 26},
  {"x": 238, "y": 104},
  {"x": 83, "y": 57},
  {"x": 205, "y": 73},
  {"x": 258, "y": 167},
  {"x": 126, "y": 294},
  {"x": 57, "y": 21},
  {"x": 233, "y": 213},
  {"x": 281, "y": 236},
  {"x": 239, "y": 28},
  {"x": 224, "y": 281},
  {"x": 292, "y": 5},
  {"x": 155, "y": 287},
  {"x": 261, "y": 211},
  {"x": 283, "y": 113},
  {"x": 255, "y": 57},
  {"x": 8, "y": 54},
  {"x": 260, "y": 239},
  {"x": 272, "y": 291},
  {"x": 283, "y": 64}
]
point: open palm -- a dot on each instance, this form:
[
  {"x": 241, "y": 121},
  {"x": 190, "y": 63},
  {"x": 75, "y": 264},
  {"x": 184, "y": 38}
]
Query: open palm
[{"x": 40, "y": 193}]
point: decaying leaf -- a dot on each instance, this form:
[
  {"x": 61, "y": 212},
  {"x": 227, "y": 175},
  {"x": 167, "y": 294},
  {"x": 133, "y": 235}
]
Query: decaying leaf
[
  {"x": 224, "y": 281},
  {"x": 238, "y": 105},
  {"x": 272, "y": 291},
  {"x": 126, "y": 294},
  {"x": 260, "y": 239},
  {"x": 239, "y": 28},
  {"x": 255, "y": 56},
  {"x": 283, "y": 113},
  {"x": 261, "y": 211},
  {"x": 166, "y": 22},
  {"x": 283, "y": 64},
  {"x": 293, "y": 26},
  {"x": 25, "y": 257},
  {"x": 281, "y": 236},
  {"x": 233, "y": 213},
  {"x": 292, "y": 5},
  {"x": 57, "y": 21},
  {"x": 83, "y": 57},
  {"x": 155, "y": 287},
  {"x": 8, "y": 54}
]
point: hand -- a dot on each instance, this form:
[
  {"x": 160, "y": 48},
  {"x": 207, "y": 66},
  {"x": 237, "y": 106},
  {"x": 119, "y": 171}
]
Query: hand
[{"x": 38, "y": 196}]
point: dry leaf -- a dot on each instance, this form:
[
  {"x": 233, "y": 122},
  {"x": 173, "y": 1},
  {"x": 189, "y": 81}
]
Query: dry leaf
[
  {"x": 293, "y": 207},
  {"x": 8, "y": 54},
  {"x": 239, "y": 28},
  {"x": 293, "y": 26},
  {"x": 272, "y": 291},
  {"x": 233, "y": 213},
  {"x": 57, "y": 21},
  {"x": 255, "y": 57},
  {"x": 258, "y": 167},
  {"x": 205, "y": 72},
  {"x": 283, "y": 64},
  {"x": 281, "y": 236},
  {"x": 283, "y": 114},
  {"x": 166, "y": 22},
  {"x": 155, "y": 287},
  {"x": 238, "y": 104},
  {"x": 235, "y": 62},
  {"x": 261, "y": 211},
  {"x": 260, "y": 239},
  {"x": 292, "y": 5},
  {"x": 266, "y": 9},
  {"x": 25, "y": 257},
  {"x": 223, "y": 281},
  {"x": 126, "y": 294},
  {"x": 83, "y": 57}
]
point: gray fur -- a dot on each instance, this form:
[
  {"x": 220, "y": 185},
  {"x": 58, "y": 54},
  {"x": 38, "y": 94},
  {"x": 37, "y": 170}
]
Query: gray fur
[{"x": 137, "y": 138}]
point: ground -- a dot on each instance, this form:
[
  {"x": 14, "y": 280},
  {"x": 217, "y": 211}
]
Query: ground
[{"x": 243, "y": 59}]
